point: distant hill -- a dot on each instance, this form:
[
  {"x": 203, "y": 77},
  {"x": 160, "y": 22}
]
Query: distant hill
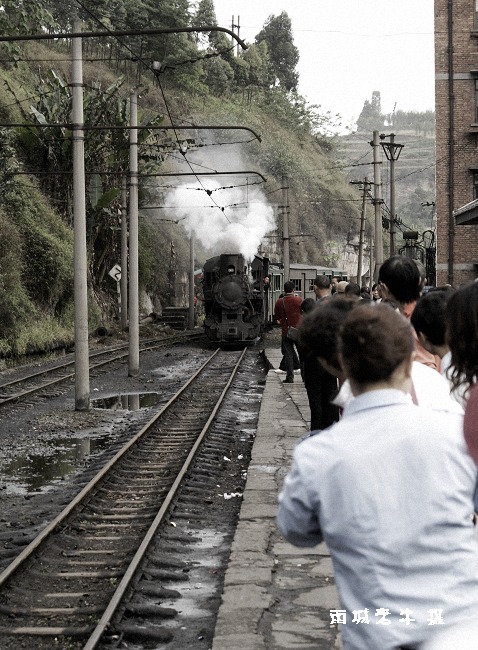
[{"x": 414, "y": 174}]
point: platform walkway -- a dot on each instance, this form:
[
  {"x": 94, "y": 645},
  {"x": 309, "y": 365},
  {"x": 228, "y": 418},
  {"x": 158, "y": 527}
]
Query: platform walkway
[{"x": 275, "y": 596}]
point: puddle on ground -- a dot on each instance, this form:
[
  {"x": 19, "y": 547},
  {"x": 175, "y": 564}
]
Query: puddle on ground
[
  {"x": 35, "y": 471},
  {"x": 127, "y": 401}
]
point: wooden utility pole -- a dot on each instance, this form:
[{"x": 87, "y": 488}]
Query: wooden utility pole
[
  {"x": 285, "y": 228},
  {"x": 365, "y": 184},
  {"x": 377, "y": 202},
  {"x": 124, "y": 254}
]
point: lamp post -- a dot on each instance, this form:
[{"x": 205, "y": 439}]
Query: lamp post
[{"x": 392, "y": 151}]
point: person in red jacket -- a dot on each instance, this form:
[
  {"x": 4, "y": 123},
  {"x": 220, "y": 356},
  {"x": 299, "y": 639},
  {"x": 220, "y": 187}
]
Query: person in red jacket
[{"x": 287, "y": 314}]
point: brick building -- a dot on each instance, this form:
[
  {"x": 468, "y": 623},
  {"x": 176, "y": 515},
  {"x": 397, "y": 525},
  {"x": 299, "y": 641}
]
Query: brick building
[{"x": 456, "y": 91}]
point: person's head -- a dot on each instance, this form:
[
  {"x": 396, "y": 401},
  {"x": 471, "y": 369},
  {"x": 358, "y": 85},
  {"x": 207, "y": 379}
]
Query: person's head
[
  {"x": 376, "y": 295},
  {"x": 322, "y": 286},
  {"x": 333, "y": 284},
  {"x": 288, "y": 287},
  {"x": 428, "y": 319},
  {"x": 365, "y": 293},
  {"x": 307, "y": 305},
  {"x": 461, "y": 317},
  {"x": 341, "y": 286},
  {"x": 423, "y": 274},
  {"x": 376, "y": 348},
  {"x": 352, "y": 290},
  {"x": 399, "y": 280},
  {"x": 319, "y": 328}
]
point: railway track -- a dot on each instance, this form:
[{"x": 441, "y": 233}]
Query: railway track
[
  {"x": 50, "y": 377},
  {"x": 66, "y": 587}
]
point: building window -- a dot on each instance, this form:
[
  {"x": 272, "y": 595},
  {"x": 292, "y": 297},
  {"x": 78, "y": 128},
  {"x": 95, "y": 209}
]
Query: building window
[
  {"x": 475, "y": 185},
  {"x": 297, "y": 285},
  {"x": 476, "y": 98}
]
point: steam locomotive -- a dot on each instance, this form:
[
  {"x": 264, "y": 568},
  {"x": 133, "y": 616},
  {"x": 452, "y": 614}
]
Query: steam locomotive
[
  {"x": 239, "y": 298},
  {"x": 234, "y": 298}
]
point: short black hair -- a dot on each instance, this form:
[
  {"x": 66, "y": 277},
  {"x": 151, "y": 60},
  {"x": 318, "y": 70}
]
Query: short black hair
[
  {"x": 401, "y": 277},
  {"x": 352, "y": 289},
  {"x": 288, "y": 286},
  {"x": 307, "y": 305},
  {"x": 428, "y": 316},
  {"x": 319, "y": 329},
  {"x": 322, "y": 281}
]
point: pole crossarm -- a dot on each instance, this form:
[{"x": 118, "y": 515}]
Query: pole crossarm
[
  {"x": 123, "y": 32},
  {"x": 156, "y": 127},
  {"x": 203, "y": 174}
]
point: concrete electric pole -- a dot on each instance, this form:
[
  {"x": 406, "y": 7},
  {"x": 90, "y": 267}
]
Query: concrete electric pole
[
  {"x": 377, "y": 202},
  {"x": 392, "y": 151}
]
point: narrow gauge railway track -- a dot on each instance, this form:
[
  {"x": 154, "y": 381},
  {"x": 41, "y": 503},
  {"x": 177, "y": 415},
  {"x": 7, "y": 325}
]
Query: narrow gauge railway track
[
  {"x": 43, "y": 380},
  {"x": 65, "y": 587}
]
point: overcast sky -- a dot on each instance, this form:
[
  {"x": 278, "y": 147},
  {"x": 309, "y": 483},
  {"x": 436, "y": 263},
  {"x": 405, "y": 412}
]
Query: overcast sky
[{"x": 348, "y": 49}]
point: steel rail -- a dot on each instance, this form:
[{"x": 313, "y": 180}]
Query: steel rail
[
  {"x": 115, "y": 601},
  {"x": 53, "y": 525},
  {"x": 13, "y": 398}
]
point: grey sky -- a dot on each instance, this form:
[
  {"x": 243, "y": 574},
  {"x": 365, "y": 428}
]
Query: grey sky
[{"x": 348, "y": 49}]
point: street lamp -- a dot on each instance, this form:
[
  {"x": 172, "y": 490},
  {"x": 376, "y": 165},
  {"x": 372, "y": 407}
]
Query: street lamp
[{"x": 392, "y": 151}]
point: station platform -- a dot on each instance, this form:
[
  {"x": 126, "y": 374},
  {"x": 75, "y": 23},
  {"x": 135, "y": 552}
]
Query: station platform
[{"x": 276, "y": 596}]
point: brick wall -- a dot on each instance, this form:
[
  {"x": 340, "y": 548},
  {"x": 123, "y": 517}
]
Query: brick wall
[{"x": 465, "y": 139}]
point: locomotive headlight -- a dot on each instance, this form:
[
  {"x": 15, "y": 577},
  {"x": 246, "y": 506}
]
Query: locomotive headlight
[{"x": 230, "y": 292}]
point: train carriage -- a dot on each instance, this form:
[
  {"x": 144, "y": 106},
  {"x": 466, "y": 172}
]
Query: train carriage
[{"x": 302, "y": 276}]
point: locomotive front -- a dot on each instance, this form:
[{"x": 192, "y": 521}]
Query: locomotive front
[{"x": 233, "y": 302}]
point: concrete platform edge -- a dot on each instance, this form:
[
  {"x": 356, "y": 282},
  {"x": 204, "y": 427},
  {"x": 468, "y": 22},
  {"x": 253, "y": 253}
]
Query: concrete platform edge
[{"x": 275, "y": 595}]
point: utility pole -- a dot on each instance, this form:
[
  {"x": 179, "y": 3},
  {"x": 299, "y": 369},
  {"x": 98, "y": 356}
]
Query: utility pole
[
  {"x": 124, "y": 254},
  {"x": 191, "y": 281},
  {"x": 377, "y": 202},
  {"x": 133, "y": 302},
  {"x": 392, "y": 151},
  {"x": 238, "y": 27},
  {"x": 285, "y": 228},
  {"x": 365, "y": 184},
  {"x": 82, "y": 368}
]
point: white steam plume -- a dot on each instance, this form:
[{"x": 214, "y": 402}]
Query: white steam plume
[{"x": 228, "y": 220}]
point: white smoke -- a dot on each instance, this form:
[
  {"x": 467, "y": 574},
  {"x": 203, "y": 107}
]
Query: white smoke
[{"x": 227, "y": 216}]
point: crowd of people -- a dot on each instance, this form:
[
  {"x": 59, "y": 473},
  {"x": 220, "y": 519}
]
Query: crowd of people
[{"x": 388, "y": 475}]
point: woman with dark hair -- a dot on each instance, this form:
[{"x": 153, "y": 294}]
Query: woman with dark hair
[
  {"x": 462, "y": 337},
  {"x": 390, "y": 490},
  {"x": 376, "y": 296}
]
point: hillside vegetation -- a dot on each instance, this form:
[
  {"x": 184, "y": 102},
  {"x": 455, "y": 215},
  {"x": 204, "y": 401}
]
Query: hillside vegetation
[
  {"x": 197, "y": 80},
  {"x": 414, "y": 168}
]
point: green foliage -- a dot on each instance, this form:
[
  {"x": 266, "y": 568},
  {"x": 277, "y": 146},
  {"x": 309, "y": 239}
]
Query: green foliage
[
  {"x": 47, "y": 247},
  {"x": 372, "y": 119},
  {"x": 15, "y": 305},
  {"x": 24, "y": 17},
  {"x": 421, "y": 123},
  {"x": 284, "y": 55},
  {"x": 256, "y": 88}
]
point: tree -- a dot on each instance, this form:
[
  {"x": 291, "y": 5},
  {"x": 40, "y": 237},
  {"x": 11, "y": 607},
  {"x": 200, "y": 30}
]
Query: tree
[
  {"x": 284, "y": 55},
  {"x": 205, "y": 15},
  {"x": 106, "y": 153},
  {"x": 371, "y": 118}
]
